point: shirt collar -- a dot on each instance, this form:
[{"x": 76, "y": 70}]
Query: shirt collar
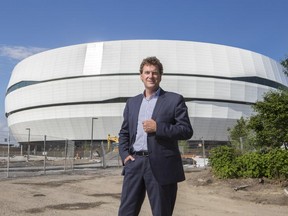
[{"x": 155, "y": 94}]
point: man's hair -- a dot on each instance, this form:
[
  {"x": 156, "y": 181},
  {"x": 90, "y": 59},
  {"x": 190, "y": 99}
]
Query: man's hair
[{"x": 152, "y": 61}]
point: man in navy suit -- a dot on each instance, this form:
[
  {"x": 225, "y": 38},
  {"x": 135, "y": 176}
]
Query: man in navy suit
[{"x": 153, "y": 123}]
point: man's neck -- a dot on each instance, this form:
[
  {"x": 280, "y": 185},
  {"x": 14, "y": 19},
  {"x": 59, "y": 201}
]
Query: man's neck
[{"x": 149, "y": 92}]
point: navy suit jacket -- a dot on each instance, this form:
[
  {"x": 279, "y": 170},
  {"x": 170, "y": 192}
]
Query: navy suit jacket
[{"x": 173, "y": 124}]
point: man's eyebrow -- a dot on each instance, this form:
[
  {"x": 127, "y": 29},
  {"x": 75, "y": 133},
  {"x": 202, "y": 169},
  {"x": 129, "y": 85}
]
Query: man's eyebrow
[{"x": 151, "y": 71}]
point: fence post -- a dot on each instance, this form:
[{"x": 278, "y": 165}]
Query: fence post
[
  {"x": 65, "y": 153},
  {"x": 103, "y": 153},
  {"x": 204, "y": 155},
  {"x": 73, "y": 153},
  {"x": 241, "y": 144},
  {"x": 45, "y": 154}
]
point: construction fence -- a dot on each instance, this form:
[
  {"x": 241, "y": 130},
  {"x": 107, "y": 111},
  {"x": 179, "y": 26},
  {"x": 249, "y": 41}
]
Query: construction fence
[
  {"x": 51, "y": 154},
  {"x": 46, "y": 154}
]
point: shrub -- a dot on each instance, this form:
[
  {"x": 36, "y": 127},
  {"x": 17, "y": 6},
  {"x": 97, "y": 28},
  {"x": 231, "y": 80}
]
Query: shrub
[
  {"x": 251, "y": 165},
  {"x": 222, "y": 161},
  {"x": 277, "y": 164},
  {"x": 226, "y": 162}
]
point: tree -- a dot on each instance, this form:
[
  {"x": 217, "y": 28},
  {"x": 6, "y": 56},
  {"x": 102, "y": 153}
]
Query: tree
[
  {"x": 269, "y": 126},
  {"x": 241, "y": 136},
  {"x": 284, "y": 63},
  {"x": 270, "y": 123}
]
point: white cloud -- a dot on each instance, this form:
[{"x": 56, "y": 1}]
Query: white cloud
[{"x": 19, "y": 52}]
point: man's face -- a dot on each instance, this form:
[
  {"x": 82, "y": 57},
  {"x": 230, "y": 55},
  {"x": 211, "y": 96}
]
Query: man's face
[{"x": 150, "y": 77}]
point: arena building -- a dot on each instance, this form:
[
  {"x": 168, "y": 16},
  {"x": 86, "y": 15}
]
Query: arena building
[{"x": 68, "y": 92}]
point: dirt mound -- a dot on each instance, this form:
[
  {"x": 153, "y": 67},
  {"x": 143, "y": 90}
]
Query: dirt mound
[{"x": 263, "y": 191}]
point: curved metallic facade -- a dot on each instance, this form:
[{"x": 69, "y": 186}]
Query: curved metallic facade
[{"x": 58, "y": 92}]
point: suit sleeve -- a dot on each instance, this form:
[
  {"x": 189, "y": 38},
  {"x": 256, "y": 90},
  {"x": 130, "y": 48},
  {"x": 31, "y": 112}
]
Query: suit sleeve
[
  {"x": 124, "y": 135},
  {"x": 179, "y": 126}
]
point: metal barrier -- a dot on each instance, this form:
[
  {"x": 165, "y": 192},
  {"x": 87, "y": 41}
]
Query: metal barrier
[
  {"x": 46, "y": 154},
  {"x": 42, "y": 155}
]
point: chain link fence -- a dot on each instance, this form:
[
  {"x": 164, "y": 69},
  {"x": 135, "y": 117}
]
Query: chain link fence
[
  {"x": 42, "y": 155},
  {"x": 195, "y": 153},
  {"x": 46, "y": 154}
]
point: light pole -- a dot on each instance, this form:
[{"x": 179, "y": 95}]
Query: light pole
[
  {"x": 8, "y": 157},
  {"x": 28, "y": 151},
  {"x": 91, "y": 144}
]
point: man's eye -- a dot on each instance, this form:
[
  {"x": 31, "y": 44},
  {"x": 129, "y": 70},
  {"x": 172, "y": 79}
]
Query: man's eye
[{"x": 154, "y": 73}]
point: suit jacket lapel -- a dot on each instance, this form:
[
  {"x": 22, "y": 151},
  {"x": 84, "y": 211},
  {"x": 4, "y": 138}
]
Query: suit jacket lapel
[
  {"x": 137, "y": 105},
  {"x": 135, "y": 112},
  {"x": 160, "y": 102}
]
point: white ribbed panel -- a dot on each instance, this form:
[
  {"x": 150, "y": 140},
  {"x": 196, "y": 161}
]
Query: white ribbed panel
[
  {"x": 189, "y": 67},
  {"x": 93, "y": 60}
]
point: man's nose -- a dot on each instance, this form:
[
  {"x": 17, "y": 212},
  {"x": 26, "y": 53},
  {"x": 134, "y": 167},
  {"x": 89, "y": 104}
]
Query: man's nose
[{"x": 150, "y": 75}]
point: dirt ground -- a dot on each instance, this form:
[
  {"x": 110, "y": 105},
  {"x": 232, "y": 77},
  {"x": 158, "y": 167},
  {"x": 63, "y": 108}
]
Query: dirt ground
[{"x": 98, "y": 192}]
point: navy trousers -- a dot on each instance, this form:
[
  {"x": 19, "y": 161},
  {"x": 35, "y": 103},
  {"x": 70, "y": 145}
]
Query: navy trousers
[{"x": 138, "y": 179}]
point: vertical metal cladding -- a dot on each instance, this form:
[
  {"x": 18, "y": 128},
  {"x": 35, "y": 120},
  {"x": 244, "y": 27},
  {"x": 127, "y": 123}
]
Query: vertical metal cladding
[{"x": 58, "y": 92}]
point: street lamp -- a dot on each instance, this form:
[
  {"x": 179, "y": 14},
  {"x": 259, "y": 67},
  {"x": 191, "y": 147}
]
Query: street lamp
[
  {"x": 28, "y": 151},
  {"x": 91, "y": 144}
]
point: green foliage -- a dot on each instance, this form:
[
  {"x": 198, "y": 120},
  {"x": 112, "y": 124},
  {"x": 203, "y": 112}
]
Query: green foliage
[
  {"x": 270, "y": 123},
  {"x": 277, "y": 164},
  {"x": 241, "y": 136},
  {"x": 226, "y": 162},
  {"x": 222, "y": 160},
  {"x": 284, "y": 63},
  {"x": 251, "y": 165},
  {"x": 266, "y": 129}
]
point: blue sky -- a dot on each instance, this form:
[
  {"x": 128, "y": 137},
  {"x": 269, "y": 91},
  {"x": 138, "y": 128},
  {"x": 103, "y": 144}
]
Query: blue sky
[{"x": 30, "y": 26}]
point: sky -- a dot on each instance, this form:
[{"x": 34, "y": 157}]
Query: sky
[{"x": 31, "y": 26}]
